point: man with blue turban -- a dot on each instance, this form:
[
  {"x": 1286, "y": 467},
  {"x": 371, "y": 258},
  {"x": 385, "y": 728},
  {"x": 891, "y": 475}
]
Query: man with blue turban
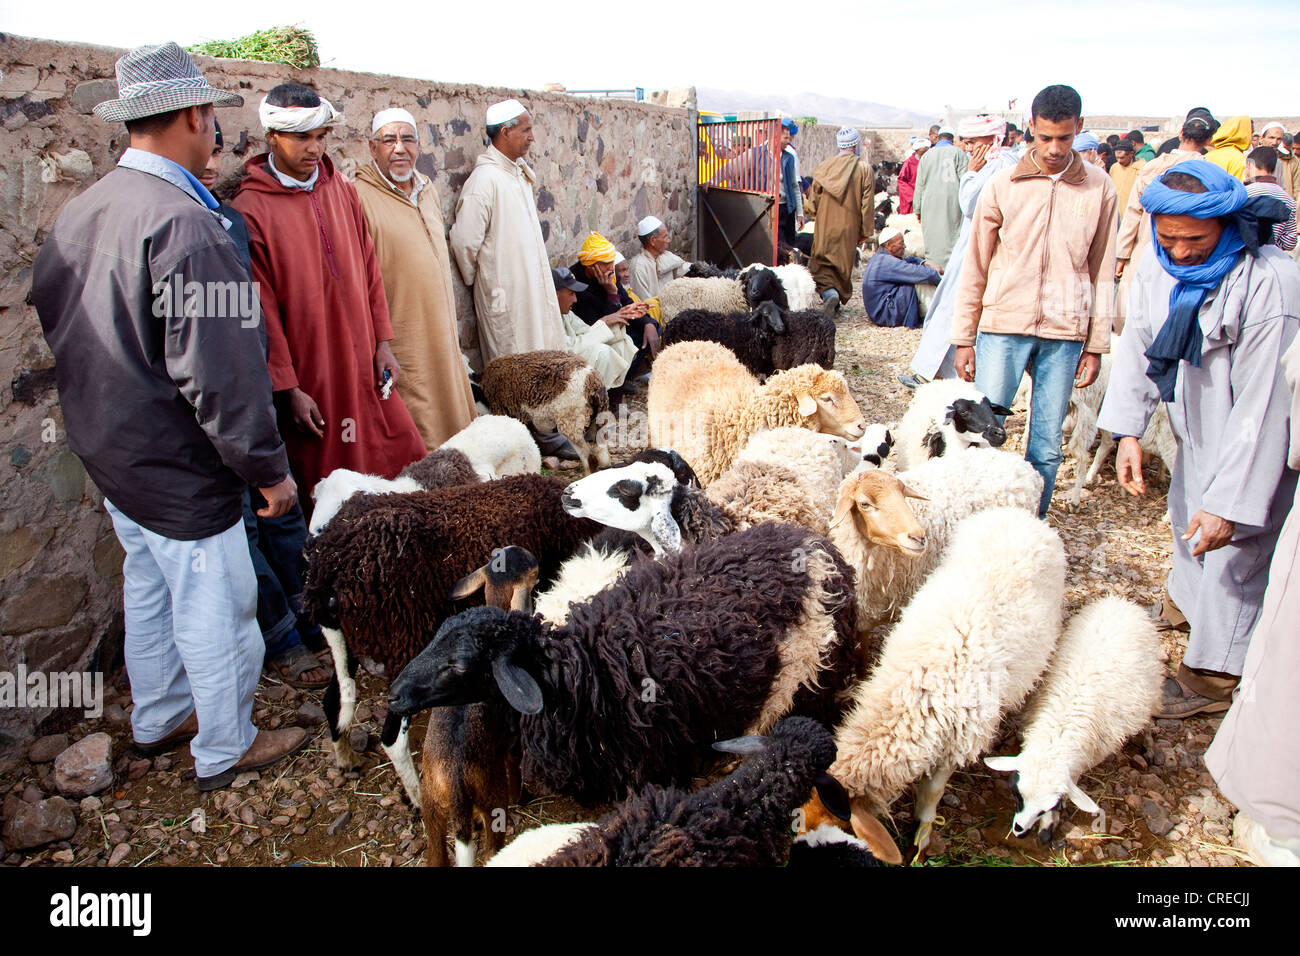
[{"x": 1212, "y": 309}]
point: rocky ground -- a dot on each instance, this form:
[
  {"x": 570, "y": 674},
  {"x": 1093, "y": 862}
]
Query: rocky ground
[{"x": 1161, "y": 806}]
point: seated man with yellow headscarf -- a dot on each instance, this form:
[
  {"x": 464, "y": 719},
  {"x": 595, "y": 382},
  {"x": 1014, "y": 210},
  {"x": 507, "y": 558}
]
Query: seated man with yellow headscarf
[{"x": 606, "y": 299}]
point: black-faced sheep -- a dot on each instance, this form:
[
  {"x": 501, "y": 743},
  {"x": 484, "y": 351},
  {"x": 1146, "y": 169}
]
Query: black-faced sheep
[
  {"x": 744, "y": 819},
  {"x": 551, "y": 391},
  {"x": 766, "y": 340},
  {"x": 946, "y": 416},
  {"x": 380, "y": 578},
  {"x": 716, "y": 640},
  {"x": 704, "y": 404},
  {"x": 967, "y": 650}
]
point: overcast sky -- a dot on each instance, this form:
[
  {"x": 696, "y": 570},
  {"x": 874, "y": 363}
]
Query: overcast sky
[{"x": 1124, "y": 56}]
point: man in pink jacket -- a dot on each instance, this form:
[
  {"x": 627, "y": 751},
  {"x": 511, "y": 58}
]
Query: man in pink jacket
[{"x": 1035, "y": 291}]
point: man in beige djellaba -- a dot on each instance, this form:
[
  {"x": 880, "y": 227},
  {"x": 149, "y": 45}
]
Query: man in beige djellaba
[
  {"x": 404, "y": 218},
  {"x": 497, "y": 243}
]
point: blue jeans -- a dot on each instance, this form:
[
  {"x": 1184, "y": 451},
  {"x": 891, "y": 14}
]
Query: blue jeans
[
  {"x": 275, "y": 545},
  {"x": 1001, "y": 361}
]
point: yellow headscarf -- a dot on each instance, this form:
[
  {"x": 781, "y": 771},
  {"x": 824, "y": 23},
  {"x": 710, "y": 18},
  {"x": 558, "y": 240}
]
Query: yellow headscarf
[
  {"x": 1235, "y": 131},
  {"x": 596, "y": 248}
]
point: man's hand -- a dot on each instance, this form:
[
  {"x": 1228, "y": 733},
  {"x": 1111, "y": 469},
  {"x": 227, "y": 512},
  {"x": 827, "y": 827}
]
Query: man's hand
[
  {"x": 633, "y": 311},
  {"x": 964, "y": 361},
  {"x": 385, "y": 359},
  {"x": 799, "y": 222},
  {"x": 933, "y": 265},
  {"x": 1119, "y": 268},
  {"x": 279, "y": 498},
  {"x": 1128, "y": 466},
  {"x": 615, "y": 320},
  {"x": 1086, "y": 373},
  {"x": 978, "y": 157},
  {"x": 306, "y": 414},
  {"x": 1215, "y": 532}
]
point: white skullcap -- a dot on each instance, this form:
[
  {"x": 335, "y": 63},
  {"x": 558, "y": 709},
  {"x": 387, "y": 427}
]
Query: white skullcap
[
  {"x": 619, "y": 257},
  {"x": 889, "y": 233},
  {"x": 395, "y": 115},
  {"x": 1270, "y": 126},
  {"x": 947, "y": 129},
  {"x": 499, "y": 113},
  {"x": 648, "y": 225},
  {"x": 847, "y": 137}
]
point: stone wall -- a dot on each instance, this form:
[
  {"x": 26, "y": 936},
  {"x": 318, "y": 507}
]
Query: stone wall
[{"x": 601, "y": 165}]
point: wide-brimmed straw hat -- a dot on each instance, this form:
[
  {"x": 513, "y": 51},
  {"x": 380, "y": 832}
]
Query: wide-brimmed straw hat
[{"x": 158, "y": 79}]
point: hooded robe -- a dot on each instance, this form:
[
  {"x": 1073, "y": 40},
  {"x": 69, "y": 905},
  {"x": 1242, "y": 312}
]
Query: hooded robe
[{"x": 842, "y": 201}]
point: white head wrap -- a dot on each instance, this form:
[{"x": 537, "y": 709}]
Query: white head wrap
[
  {"x": 648, "y": 225},
  {"x": 298, "y": 119},
  {"x": 504, "y": 112},
  {"x": 917, "y": 142},
  {"x": 847, "y": 138},
  {"x": 947, "y": 129},
  {"x": 971, "y": 127},
  {"x": 888, "y": 233},
  {"x": 395, "y": 115}
]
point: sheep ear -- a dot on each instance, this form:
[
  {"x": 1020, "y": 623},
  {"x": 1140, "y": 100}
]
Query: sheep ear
[
  {"x": 873, "y": 833},
  {"x": 842, "y": 509},
  {"x": 520, "y": 690},
  {"x": 833, "y": 796},
  {"x": 474, "y": 581},
  {"x": 1082, "y": 800},
  {"x": 1005, "y": 764},
  {"x": 753, "y": 744},
  {"x": 807, "y": 405},
  {"x": 999, "y": 410},
  {"x": 909, "y": 493},
  {"x": 667, "y": 535}
]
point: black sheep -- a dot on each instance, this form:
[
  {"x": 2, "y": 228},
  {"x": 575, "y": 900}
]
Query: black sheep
[
  {"x": 707, "y": 270},
  {"x": 744, "y": 819},
  {"x": 760, "y": 284},
  {"x": 809, "y": 339},
  {"x": 642, "y": 678},
  {"x": 753, "y": 337},
  {"x": 380, "y": 577}
]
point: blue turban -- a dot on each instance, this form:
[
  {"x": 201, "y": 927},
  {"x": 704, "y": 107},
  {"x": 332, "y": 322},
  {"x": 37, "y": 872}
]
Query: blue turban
[
  {"x": 1085, "y": 141},
  {"x": 791, "y": 125},
  {"x": 1248, "y": 225}
]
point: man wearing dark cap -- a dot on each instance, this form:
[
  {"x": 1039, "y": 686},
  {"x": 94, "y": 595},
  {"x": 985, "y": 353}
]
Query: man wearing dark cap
[
  {"x": 167, "y": 402},
  {"x": 604, "y": 344}
]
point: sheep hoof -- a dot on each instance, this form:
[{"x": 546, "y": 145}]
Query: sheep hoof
[{"x": 345, "y": 758}]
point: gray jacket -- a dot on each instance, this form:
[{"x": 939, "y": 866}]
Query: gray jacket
[{"x": 166, "y": 398}]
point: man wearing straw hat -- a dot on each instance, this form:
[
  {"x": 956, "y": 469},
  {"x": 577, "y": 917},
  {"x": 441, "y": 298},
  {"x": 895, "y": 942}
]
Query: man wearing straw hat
[
  {"x": 497, "y": 243},
  {"x": 167, "y": 402}
]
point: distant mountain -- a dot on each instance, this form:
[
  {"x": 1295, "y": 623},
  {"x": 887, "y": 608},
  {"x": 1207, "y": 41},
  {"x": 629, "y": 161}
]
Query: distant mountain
[{"x": 827, "y": 109}]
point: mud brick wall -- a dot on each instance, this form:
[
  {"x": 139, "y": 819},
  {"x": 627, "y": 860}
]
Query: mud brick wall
[{"x": 601, "y": 165}]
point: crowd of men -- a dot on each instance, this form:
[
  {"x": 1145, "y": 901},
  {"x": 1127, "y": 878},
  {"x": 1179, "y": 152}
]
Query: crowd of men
[{"x": 200, "y": 428}]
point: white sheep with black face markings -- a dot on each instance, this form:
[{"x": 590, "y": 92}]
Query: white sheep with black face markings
[
  {"x": 1100, "y": 689},
  {"x": 946, "y": 416}
]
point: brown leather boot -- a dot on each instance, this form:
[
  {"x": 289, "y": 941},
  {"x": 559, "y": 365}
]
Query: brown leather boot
[
  {"x": 182, "y": 734},
  {"x": 269, "y": 747}
]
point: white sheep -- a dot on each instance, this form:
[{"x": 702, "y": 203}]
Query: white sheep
[
  {"x": 910, "y": 226},
  {"x": 944, "y": 491},
  {"x": 533, "y": 846},
  {"x": 497, "y": 446},
  {"x": 800, "y": 288},
  {"x": 945, "y": 415},
  {"x": 715, "y": 294},
  {"x": 967, "y": 650},
  {"x": 341, "y": 484},
  {"x": 820, "y": 461},
  {"x": 1101, "y": 688}
]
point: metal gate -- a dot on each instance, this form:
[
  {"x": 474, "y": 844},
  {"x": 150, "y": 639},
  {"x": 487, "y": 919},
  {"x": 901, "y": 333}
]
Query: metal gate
[{"x": 740, "y": 181}]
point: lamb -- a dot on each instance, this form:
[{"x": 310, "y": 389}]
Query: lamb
[
  {"x": 551, "y": 391},
  {"x": 967, "y": 650},
  {"x": 945, "y": 415},
  {"x": 766, "y": 340},
  {"x": 741, "y": 820},
  {"x": 705, "y": 404},
  {"x": 893, "y": 548},
  {"x": 716, "y": 640},
  {"x": 497, "y": 446},
  {"x": 381, "y": 577},
  {"x": 713, "y": 294},
  {"x": 1101, "y": 688}
]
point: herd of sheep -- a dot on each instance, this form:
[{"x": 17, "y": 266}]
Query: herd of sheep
[{"x": 723, "y": 590}]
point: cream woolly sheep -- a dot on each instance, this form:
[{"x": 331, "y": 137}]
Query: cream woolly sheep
[
  {"x": 704, "y": 404},
  {"x": 910, "y": 226},
  {"x": 821, "y": 461},
  {"x": 551, "y": 391},
  {"x": 945, "y": 415},
  {"x": 1100, "y": 689},
  {"x": 967, "y": 650},
  {"x": 945, "y": 490},
  {"x": 714, "y": 294}
]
